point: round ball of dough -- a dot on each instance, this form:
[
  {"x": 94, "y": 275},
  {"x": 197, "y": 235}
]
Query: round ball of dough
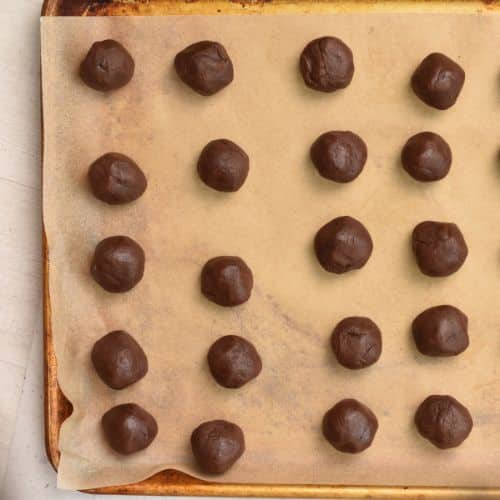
[
  {"x": 439, "y": 247},
  {"x": 339, "y": 156},
  {"x": 350, "y": 426},
  {"x": 356, "y": 342},
  {"x": 116, "y": 179},
  {"x": 426, "y": 157},
  {"x": 217, "y": 445},
  {"x": 327, "y": 64},
  {"x": 119, "y": 360},
  {"x": 128, "y": 428},
  {"x": 441, "y": 331},
  {"x": 205, "y": 67},
  {"x": 444, "y": 421},
  {"x": 118, "y": 264},
  {"x": 107, "y": 66},
  {"x": 227, "y": 281},
  {"x": 343, "y": 245},
  {"x": 223, "y": 165},
  {"x": 438, "y": 81},
  {"x": 233, "y": 361}
]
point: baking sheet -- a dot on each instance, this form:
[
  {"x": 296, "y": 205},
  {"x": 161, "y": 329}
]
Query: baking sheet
[{"x": 271, "y": 223}]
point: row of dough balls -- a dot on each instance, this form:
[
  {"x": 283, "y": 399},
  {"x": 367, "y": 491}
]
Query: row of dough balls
[
  {"x": 223, "y": 165},
  {"x": 342, "y": 245},
  {"x": 326, "y": 65}
]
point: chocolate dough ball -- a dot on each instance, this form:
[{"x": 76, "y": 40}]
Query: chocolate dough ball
[
  {"x": 118, "y": 264},
  {"x": 439, "y": 247},
  {"x": 233, "y": 361},
  {"x": 217, "y": 445},
  {"x": 350, "y": 426},
  {"x": 115, "y": 179},
  {"x": 129, "y": 428},
  {"x": 339, "y": 156},
  {"x": 438, "y": 81},
  {"x": 356, "y": 342},
  {"x": 443, "y": 421},
  {"x": 119, "y": 360},
  {"x": 205, "y": 67},
  {"x": 426, "y": 157},
  {"x": 441, "y": 331},
  {"x": 343, "y": 245},
  {"x": 223, "y": 165},
  {"x": 107, "y": 66},
  {"x": 326, "y": 64},
  {"x": 227, "y": 281}
]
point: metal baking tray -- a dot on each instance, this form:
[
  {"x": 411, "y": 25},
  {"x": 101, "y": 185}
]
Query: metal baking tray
[{"x": 58, "y": 408}]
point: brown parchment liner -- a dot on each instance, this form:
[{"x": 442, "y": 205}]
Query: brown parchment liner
[{"x": 271, "y": 223}]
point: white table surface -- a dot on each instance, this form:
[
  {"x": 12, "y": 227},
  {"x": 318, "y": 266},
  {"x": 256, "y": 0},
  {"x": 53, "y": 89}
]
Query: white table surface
[{"x": 25, "y": 472}]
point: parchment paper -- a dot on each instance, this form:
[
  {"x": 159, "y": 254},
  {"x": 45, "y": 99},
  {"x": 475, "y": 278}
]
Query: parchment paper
[{"x": 271, "y": 223}]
